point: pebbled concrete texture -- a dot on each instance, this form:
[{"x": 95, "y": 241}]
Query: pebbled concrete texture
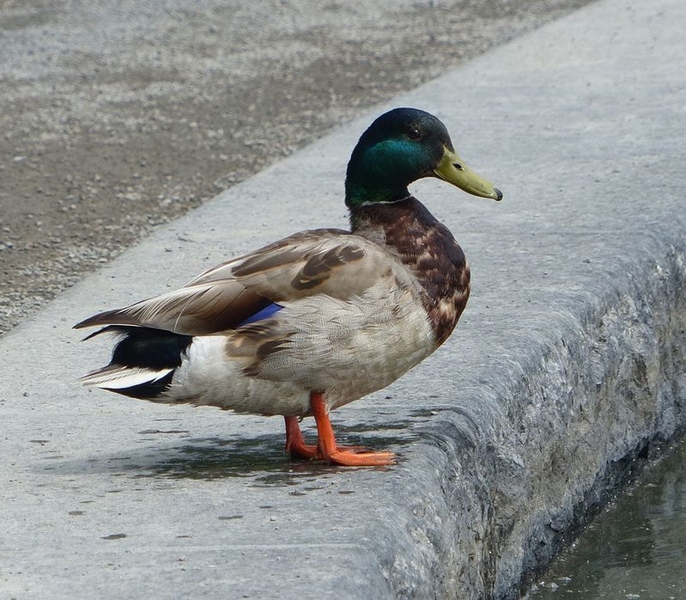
[{"x": 566, "y": 372}]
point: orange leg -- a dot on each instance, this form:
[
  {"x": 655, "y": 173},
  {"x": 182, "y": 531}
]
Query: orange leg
[
  {"x": 295, "y": 444},
  {"x": 339, "y": 455}
]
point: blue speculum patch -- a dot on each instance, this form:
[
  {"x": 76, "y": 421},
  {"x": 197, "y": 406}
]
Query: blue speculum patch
[{"x": 260, "y": 315}]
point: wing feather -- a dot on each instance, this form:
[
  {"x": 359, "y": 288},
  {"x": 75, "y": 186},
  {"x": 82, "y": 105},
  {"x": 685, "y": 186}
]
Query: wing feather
[{"x": 325, "y": 261}]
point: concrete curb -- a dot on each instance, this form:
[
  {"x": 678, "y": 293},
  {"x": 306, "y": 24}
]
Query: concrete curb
[{"x": 568, "y": 364}]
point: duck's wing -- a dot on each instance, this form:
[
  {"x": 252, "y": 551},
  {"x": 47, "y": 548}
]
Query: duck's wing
[{"x": 326, "y": 261}]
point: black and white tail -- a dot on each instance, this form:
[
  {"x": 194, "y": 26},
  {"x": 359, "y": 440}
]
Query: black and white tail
[{"x": 143, "y": 361}]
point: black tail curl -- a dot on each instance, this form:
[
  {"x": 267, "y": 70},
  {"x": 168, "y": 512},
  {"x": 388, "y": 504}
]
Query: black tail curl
[{"x": 146, "y": 348}]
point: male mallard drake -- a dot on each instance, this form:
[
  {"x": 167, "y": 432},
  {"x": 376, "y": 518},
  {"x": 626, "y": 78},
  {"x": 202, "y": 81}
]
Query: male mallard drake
[{"x": 317, "y": 319}]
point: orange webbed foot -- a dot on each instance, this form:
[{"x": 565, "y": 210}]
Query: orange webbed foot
[
  {"x": 348, "y": 456},
  {"x": 327, "y": 449}
]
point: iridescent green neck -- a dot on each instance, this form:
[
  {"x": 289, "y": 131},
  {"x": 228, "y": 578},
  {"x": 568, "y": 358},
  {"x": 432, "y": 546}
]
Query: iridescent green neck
[{"x": 381, "y": 172}]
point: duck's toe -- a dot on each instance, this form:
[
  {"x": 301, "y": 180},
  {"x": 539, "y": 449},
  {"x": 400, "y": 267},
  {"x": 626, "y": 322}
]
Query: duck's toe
[
  {"x": 353, "y": 458},
  {"x": 295, "y": 443}
]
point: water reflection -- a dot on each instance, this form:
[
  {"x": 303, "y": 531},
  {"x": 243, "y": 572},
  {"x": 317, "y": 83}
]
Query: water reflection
[{"x": 635, "y": 549}]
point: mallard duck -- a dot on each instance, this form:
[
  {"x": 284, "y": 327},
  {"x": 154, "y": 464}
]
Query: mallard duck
[{"x": 320, "y": 318}]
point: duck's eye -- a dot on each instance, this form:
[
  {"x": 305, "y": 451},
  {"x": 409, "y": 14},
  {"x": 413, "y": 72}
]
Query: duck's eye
[
  {"x": 413, "y": 133},
  {"x": 458, "y": 166}
]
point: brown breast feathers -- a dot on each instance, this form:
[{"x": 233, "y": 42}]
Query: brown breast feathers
[{"x": 428, "y": 249}]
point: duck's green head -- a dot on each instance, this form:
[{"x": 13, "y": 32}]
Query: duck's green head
[{"x": 401, "y": 146}]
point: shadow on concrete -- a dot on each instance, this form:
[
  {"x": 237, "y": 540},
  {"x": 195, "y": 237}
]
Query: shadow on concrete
[{"x": 260, "y": 458}]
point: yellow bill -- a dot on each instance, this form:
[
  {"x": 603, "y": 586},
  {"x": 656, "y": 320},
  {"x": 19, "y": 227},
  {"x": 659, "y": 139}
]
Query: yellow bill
[{"x": 453, "y": 170}]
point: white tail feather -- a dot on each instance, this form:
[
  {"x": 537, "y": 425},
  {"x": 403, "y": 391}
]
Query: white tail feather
[{"x": 118, "y": 377}]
